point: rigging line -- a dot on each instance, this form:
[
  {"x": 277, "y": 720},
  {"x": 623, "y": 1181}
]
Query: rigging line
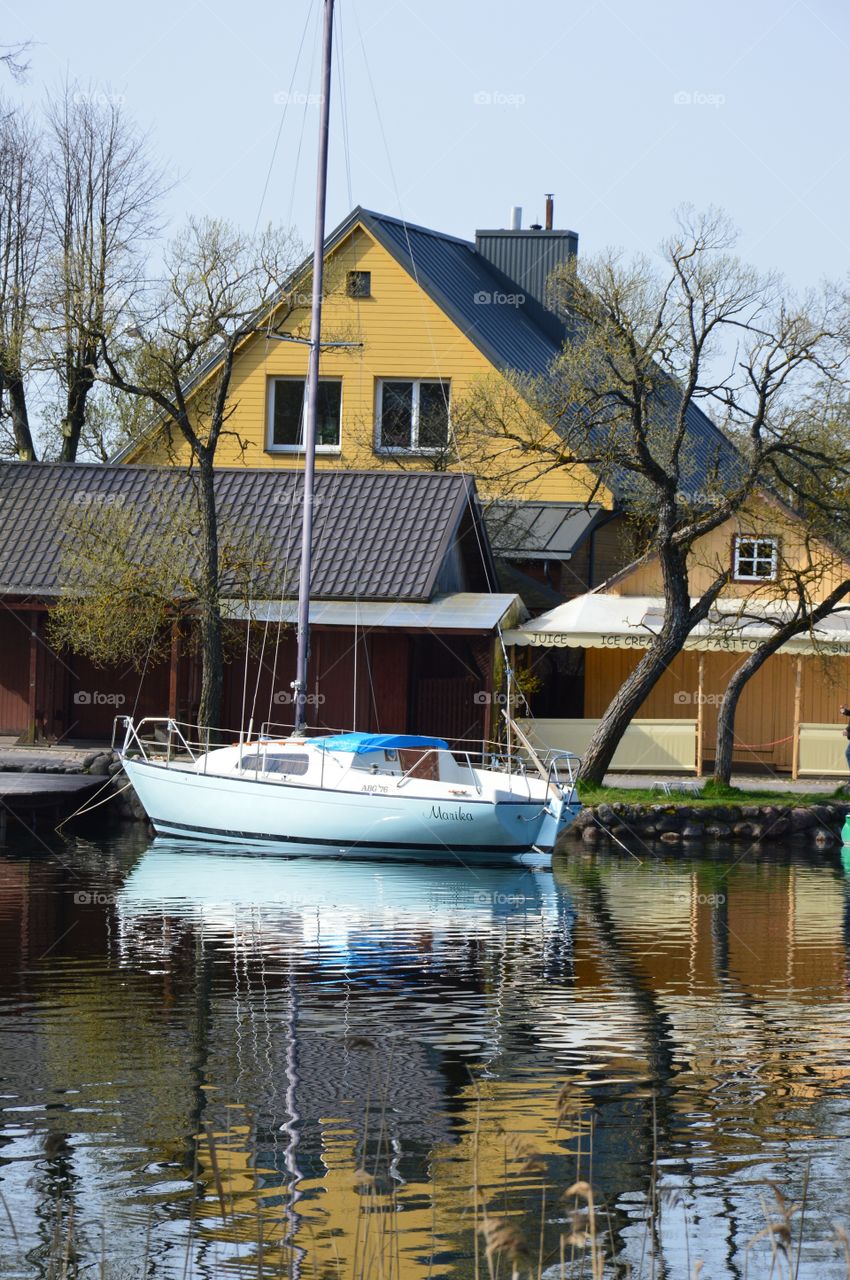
[
  {"x": 303, "y": 125},
  {"x": 283, "y": 589},
  {"x": 426, "y": 319},
  {"x": 343, "y": 107},
  {"x": 283, "y": 118},
  {"x": 144, "y": 670}
]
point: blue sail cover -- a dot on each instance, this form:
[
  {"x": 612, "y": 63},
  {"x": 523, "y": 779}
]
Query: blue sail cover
[{"x": 360, "y": 744}]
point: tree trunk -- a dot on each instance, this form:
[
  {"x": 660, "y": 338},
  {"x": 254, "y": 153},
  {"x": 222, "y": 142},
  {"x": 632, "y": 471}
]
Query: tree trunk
[
  {"x": 679, "y": 619},
  {"x": 212, "y": 648},
  {"x": 80, "y": 384},
  {"x": 635, "y": 688},
  {"x": 20, "y": 418}
]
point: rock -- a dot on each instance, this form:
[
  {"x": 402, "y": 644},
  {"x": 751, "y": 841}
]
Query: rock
[
  {"x": 823, "y": 838},
  {"x": 743, "y": 830},
  {"x": 671, "y": 823},
  {"x": 802, "y": 819},
  {"x": 100, "y": 768},
  {"x": 777, "y": 828},
  {"x": 89, "y": 758},
  {"x": 693, "y": 831},
  {"x": 591, "y": 835},
  {"x": 670, "y": 837},
  {"x": 115, "y": 768},
  {"x": 718, "y": 830},
  {"x": 606, "y": 815},
  {"x": 749, "y": 811}
]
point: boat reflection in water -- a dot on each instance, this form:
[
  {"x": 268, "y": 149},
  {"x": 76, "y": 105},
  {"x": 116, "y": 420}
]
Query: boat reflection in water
[{"x": 340, "y": 1095}]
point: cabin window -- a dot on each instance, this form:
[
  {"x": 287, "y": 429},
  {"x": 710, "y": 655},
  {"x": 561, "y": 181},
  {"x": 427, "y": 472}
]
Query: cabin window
[
  {"x": 359, "y": 284},
  {"x": 294, "y": 764},
  {"x": 412, "y": 415},
  {"x": 286, "y": 415},
  {"x": 755, "y": 559}
]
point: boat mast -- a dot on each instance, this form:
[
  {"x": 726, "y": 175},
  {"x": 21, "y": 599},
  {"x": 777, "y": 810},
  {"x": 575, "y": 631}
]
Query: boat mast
[{"x": 299, "y": 684}]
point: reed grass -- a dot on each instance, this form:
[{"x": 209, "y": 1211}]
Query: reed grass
[{"x": 502, "y": 1246}]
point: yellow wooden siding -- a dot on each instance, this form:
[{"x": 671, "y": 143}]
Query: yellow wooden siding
[
  {"x": 404, "y": 335},
  {"x": 764, "y": 722},
  {"x": 713, "y": 553}
]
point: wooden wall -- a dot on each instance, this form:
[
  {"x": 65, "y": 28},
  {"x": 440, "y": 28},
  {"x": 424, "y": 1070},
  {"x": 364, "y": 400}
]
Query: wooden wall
[{"x": 765, "y": 719}]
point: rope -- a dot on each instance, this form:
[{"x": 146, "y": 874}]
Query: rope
[
  {"x": 762, "y": 746},
  {"x": 88, "y": 808}
]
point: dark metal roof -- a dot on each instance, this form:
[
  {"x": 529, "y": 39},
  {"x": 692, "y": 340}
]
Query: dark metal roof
[
  {"x": 541, "y": 530},
  {"x": 377, "y": 535}
]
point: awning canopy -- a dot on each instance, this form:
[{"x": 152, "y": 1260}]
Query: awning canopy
[
  {"x": 541, "y": 530},
  {"x": 461, "y": 611},
  {"x": 604, "y": 621}
]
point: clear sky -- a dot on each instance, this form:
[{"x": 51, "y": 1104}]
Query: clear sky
[{"x": 461, "y": 108}]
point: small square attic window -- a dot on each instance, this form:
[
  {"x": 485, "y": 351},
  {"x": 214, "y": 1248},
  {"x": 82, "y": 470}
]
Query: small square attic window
[
  {"x": 755, "y": 559},
  {"x": 359, "y": 284}
]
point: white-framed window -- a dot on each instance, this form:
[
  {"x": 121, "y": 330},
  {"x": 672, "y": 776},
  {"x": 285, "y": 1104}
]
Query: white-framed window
[
  {"x": 285, "y": 415},
  {"x": 412, "y": 415},
  {"x": 755, "y": 559}
]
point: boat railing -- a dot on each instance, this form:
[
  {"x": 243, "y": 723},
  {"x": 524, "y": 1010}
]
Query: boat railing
[
  {"x": 162, "y": 739},
  {"x": 558, "y": 762}
]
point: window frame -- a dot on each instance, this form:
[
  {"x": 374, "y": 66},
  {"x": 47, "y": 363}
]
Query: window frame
[
  {"x": 359, "y": 276},
  {"x": 414, "y": 448},
  {"x": 295, "y": 449},
  {"x": 755, "y": 540}
]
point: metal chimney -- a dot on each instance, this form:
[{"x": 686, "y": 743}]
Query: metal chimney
[
  {"x": 516, "y": 217},
  {"x": 550, "y": 211}
]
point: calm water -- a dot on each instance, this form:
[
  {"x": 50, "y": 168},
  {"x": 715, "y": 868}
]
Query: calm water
[{"x": 216, "y": 1064}]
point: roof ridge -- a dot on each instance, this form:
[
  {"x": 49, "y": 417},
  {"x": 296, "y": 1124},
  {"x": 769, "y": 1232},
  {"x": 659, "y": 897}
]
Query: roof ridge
[{"x": 414, "y": 226}]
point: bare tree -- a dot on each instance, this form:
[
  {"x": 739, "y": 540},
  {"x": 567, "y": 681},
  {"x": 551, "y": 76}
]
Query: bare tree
[
  {"x": 103, "y": 198},
  {"x": 14, "y": 59},
  {"x": 645, "y": 345},
  {"x": 21, "y": 233},
  {"x": 219, "y": 286}
]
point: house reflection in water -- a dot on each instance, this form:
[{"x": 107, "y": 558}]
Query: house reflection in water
[{"x": 317, "y": 1073}]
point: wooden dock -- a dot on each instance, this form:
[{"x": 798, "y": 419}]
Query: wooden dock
[{"x": 34, "y": 797}]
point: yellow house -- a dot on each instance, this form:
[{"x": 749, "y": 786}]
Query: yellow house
[{"x": 421, "y": 318}]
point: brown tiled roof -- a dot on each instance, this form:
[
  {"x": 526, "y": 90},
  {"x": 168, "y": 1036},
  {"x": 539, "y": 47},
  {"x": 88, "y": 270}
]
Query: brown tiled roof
[{"x": 376, "y": 535}]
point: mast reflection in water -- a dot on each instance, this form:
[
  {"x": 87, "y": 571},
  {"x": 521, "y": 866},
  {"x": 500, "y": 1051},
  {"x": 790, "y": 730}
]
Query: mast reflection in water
[{"x": 213, "y": 1063}]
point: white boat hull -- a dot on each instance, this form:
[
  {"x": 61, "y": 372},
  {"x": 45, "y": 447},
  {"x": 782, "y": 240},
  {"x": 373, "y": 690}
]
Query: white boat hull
[{"x": 338, "y": 823}]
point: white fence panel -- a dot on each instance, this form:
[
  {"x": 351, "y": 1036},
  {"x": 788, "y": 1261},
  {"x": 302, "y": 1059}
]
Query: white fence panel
[{"x": 647, "y": 745}]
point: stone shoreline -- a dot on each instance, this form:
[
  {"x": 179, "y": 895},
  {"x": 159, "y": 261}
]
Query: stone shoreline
[{"x": 678, "y": 824}]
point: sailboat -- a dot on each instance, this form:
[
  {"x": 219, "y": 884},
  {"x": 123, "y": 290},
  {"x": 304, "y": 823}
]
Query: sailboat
[{"x": 347, "y": 793}]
